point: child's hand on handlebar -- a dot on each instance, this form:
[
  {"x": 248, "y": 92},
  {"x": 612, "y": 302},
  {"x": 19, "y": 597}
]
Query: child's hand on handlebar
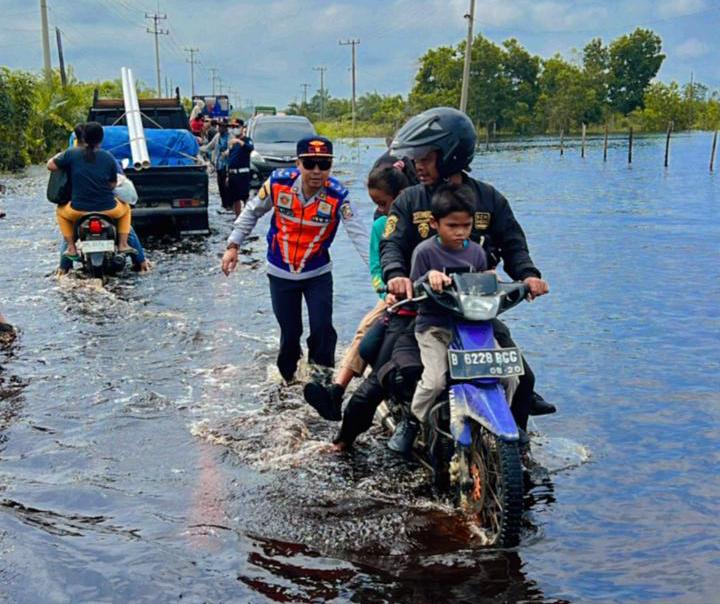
[{"x": 438, "y": 281}]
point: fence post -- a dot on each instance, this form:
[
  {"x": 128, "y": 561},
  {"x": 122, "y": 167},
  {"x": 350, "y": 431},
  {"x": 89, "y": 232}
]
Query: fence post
[
  {"x": 605, "y": 145},
  {"x": 712, "y": 153},
  {"x": 582, "y": 146},
  {"x": 630, "y": 146},
  {"x": 562, "y": 141},
  {"x": 667, "y": 142}
]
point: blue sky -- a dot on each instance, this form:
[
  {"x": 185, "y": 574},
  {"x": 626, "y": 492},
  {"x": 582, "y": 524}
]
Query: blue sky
[{"x": 265, "y": 49}]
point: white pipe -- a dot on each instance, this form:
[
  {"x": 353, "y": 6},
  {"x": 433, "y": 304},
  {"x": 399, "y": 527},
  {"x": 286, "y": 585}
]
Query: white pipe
[
  {"x": 130, "y": 119},
  {"x": 144, "y": 157},
  {"x": 136, "y": 133}
]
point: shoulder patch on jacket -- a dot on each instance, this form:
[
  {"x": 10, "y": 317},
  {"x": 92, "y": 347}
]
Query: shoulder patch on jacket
[
  {"x": 264, "y": 190},
  {"x": 336, "y": 188},
  {"x": 390, "y": 226},
  {"x": 285, "y": 174}
]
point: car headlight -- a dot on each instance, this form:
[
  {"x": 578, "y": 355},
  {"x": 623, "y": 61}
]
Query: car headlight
[
  {"x": 479, "y": 308},
  {"x": 256, "y": 157}
]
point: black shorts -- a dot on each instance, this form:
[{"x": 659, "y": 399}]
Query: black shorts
[{"x": 239, "y": 186}]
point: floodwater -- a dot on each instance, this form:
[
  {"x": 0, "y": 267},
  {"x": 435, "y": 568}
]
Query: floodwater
[{"x": 148, "y": 453}]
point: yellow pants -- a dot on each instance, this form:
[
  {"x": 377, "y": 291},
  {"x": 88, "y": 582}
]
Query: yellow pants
[{"x": 67, "y": 216}]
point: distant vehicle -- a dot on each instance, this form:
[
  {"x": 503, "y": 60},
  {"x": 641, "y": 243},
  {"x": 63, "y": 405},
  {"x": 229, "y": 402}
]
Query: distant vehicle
[
  {"x": 173, "y": 192},
  {"x": 216, "y": 105},
  {"x": 265, "y": 110},
  {"x": 275, "y": 138}
]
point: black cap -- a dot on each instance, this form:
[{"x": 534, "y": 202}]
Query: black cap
[{"x": 314, "y": 146}]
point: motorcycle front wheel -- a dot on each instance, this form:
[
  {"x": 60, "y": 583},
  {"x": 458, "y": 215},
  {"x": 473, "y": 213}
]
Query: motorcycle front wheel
[{"x": 491, "y": 490}]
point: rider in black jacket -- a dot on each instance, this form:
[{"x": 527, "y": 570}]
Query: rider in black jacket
[{"x": 442, "y": 143}]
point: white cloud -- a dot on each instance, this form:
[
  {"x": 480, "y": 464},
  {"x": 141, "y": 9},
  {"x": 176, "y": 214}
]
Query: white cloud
[
  {"x": 692, "y": 48},
  {"x": 674, "y": 8}
]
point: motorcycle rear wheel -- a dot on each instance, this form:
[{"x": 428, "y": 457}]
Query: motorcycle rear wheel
[{"x": 492, "y": 489}]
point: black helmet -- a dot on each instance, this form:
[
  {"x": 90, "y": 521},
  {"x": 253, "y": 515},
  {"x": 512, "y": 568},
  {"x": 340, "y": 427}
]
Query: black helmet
[{"x": 442, "y": 129}]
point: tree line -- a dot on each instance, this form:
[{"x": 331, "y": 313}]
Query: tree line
[
  {"x": 516, "y": 92},
  {"x": 511, "y": 91}
]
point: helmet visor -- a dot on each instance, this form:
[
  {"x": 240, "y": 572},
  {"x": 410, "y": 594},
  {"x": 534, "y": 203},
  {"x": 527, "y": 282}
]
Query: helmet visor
[{"x": 401, "y": 149}]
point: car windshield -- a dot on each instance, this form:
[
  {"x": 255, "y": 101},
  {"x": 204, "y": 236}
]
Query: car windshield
[{"x": 282, "y": 132}]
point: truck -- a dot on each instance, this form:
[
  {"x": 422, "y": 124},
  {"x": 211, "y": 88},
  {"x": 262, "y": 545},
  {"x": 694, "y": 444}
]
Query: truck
[
  {"x": 173, "y": 191},
  {"x": 214, "y": 105}
]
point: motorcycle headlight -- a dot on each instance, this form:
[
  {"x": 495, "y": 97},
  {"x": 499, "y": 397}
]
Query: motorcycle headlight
[
  {"x": 479, "y": 308},
  {"x": 256, "y": 157}
]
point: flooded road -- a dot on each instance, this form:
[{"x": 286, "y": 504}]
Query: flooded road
[{"x": 149, "y": 454}]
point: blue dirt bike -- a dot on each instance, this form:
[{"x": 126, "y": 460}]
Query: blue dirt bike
[{"x": 472, "y": 443}]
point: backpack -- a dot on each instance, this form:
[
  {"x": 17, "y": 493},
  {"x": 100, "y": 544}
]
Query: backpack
[{"x": 59, "y": 188}]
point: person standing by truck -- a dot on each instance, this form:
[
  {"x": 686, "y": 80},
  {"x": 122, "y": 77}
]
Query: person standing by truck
[
  {"x": 218, "y": 147},
  {"x": 308, "y": 205},
  {"x": 239, "y": 149}
]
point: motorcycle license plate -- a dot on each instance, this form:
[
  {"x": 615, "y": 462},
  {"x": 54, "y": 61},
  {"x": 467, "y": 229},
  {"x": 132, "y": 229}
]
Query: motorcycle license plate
[
  {"x": 491, "y": 363},
  {"x": 90, "y": 246}
]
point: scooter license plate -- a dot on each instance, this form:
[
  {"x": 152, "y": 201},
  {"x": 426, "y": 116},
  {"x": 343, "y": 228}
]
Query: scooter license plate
[
  {"x": 491, "y": 363},
  {"x": 90, "y": 246}
]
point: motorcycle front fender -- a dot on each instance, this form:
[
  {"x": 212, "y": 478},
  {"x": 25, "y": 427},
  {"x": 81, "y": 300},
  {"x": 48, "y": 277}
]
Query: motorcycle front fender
[{"x": 487, "y": 405}]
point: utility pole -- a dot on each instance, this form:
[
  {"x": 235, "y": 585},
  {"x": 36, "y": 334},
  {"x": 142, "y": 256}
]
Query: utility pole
[
  {"x": 213, "y": 71},
  {"x": 167, "y": 87},
  {"x": 354, "y": 42},
  {"x": 47, "y": 66},
  {"x": 468, "y": 54},
  {"x": 220, "y": 85},
  {"x": 157, "y": 32},
  {"x": 192, "y": 62},
  {"x": 322, "y": 71},
  {"x": 304, "y": 86},
  {"x": 61, "y": 58}
]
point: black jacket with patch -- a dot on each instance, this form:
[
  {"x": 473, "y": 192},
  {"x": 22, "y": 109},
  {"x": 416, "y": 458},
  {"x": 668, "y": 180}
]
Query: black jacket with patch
[{"x": 494, "y": 227}]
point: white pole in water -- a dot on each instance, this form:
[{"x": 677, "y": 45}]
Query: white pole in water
[
  {"x": 468, "y": 55},
  {"x": 47, "y": 66}
]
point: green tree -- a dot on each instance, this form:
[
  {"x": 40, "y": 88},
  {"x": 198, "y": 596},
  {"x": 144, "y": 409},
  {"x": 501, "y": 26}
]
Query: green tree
[
  {"x": 439, "y": 79},
  {"x": 565, "y": 96},
  {"x": 634, "y": 61}
]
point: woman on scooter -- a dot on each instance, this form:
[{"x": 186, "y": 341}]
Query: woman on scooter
[{"x": 93, "y": 173}]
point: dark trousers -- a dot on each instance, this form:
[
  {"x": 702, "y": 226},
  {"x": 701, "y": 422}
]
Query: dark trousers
[
  {"x": 224, "y": 190},
  {"x": 359, "y": 411},
  {"x": 287, "y": 297}
]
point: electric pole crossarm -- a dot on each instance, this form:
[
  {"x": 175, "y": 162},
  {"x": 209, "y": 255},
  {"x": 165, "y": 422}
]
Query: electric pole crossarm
[
  {"x": 157, "y": 32},
  {"x": 354, "y": 42},
  {"x": 192, "y": 62}
]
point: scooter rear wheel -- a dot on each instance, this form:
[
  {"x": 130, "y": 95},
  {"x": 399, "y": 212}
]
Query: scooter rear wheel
[{"x": 491, "y": 489}]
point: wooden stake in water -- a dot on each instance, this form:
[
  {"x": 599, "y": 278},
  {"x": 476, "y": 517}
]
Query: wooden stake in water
[
  {"x": 667, "y": 142},
  {"x": 487, "y": 137},
  {"x": 562, "y": 141},
  {"x": 582, "y": 145},
  {"x": 605, "y": 144},
  {"x": 712, "y": 153},
  {"x": 630, "y": 146}
]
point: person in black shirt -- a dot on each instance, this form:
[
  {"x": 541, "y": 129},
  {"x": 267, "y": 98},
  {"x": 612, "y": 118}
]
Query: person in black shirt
[
  {"x": 441, "y": 142},
  {"x": 240, "y": 147}
]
